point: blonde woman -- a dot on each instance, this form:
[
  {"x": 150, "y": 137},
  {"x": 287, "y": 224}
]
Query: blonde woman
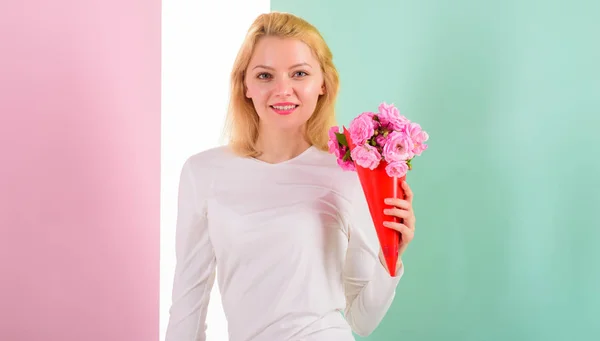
[{"x": 285, "y": 231}]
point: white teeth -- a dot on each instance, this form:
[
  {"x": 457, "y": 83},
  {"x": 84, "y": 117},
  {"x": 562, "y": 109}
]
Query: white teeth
[{"x": 287, "y": 107}]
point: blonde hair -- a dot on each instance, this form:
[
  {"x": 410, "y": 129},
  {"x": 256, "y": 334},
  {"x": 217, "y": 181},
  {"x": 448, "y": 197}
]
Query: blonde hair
[{"x": 242, "y": 119}]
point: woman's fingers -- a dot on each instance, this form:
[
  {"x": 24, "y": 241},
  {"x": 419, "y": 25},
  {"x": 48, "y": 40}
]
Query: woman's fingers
[
  {"x": 398, "y": 213},
  {"x": 407, "y": 233},
  {"x": 400, "y": 203}
]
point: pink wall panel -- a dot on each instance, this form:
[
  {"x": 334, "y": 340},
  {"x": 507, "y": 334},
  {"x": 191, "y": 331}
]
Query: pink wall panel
[{"x": 79, "y": 170}]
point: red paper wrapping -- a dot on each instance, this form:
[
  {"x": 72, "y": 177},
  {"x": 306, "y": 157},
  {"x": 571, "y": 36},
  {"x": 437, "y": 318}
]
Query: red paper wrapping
[{"x": 377, "y": 186}]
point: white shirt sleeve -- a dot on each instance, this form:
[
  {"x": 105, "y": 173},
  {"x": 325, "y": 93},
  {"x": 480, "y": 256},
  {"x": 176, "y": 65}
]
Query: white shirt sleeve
[
  {"x": 195, "y": 262},
  {"x": 369, "y": 288}
]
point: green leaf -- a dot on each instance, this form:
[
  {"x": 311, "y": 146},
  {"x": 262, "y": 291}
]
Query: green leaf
[
  {"x": 341, "y": 139},
  {"x": 346, "y": 155}
]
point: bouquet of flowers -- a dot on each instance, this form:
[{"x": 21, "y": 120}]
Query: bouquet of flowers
[
  {"x": 385, "y": 136},
  {"x": 380, "y": 146}
]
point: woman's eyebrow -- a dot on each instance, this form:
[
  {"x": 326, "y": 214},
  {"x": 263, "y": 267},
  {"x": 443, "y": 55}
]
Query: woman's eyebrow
[{"x": 291, "y": 67}]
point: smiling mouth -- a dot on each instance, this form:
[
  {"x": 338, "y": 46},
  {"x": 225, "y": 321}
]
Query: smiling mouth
[{"x": 284, "y": 109}]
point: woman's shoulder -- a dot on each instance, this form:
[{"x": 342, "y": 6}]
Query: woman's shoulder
[
  {"x": 209, "y": 161},
  {"x": 344, "y": 181},
  {"x": 211, "y": 156}
]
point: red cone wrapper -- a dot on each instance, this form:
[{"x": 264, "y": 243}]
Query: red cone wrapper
[{"x": 377, "y": 185}]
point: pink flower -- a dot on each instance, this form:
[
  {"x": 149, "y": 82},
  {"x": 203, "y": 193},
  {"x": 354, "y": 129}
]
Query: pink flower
[
  {"x": 366, "y": 156},
  {"x": 418, "y": 136},
  {"x": 346, "y": 165},
  {"x": 333, "y": 144},
  {"x": 361, "y": 128},
  {"x": 369, "y": 114},
  {"x": 381, "y": 140},
  {"x": 390, "y": 117},
  {"x": 399, "y": 147},
  {"x": 396, "y": 168}
]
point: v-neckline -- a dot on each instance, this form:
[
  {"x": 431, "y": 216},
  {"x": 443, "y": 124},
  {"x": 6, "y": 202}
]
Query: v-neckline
[{"x": 295, "y": 158}]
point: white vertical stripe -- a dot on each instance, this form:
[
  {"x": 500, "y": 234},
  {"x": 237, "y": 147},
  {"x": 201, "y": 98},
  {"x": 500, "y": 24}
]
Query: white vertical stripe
[{"x": 199, "y": 42}]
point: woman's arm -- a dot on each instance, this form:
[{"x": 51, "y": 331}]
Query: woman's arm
[
  {"x": 195, "y": 267},
  {"x": 369, "y": 288}
]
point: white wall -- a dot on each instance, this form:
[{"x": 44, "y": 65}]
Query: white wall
[{"x": 199, "y": 42}]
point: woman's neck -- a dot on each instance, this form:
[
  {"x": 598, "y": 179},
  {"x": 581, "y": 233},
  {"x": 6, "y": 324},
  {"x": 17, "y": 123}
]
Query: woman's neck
[{"x": 280, "y": 146}]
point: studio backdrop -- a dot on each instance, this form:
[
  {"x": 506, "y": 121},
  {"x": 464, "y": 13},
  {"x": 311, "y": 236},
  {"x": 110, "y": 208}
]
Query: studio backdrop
[{"x": 102, "y": 102}]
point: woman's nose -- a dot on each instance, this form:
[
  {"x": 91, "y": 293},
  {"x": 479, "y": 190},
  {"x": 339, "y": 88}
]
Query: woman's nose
[{"x": 283, "y": 87}]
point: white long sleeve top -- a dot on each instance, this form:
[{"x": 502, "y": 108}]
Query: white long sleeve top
[{"x": 292, "y": 246}]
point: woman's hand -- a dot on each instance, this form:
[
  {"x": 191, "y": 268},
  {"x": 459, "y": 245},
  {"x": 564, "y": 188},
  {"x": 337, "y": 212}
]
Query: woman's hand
[{"x": 404, "y": 211}]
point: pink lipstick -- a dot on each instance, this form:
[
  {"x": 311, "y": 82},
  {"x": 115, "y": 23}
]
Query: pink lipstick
[{"x": 284, "y": 108}]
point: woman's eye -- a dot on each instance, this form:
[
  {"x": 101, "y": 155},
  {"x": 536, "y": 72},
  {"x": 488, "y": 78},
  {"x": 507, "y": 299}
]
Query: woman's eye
[
  {"x": 300, "y": 74},
  {"x": 263, "y": 75}
]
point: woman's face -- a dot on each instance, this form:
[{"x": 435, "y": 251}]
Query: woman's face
[{"x": 284, "y": 81}]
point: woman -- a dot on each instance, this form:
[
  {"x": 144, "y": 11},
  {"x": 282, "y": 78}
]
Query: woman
[{"x": 285, "y": 228}]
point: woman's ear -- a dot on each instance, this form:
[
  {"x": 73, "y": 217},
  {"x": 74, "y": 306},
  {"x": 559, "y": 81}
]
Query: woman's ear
[{"x": 322, "y": 89}]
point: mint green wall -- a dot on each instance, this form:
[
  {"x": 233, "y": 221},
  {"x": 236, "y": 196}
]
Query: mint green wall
[{"x": 508, "y": 195}]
